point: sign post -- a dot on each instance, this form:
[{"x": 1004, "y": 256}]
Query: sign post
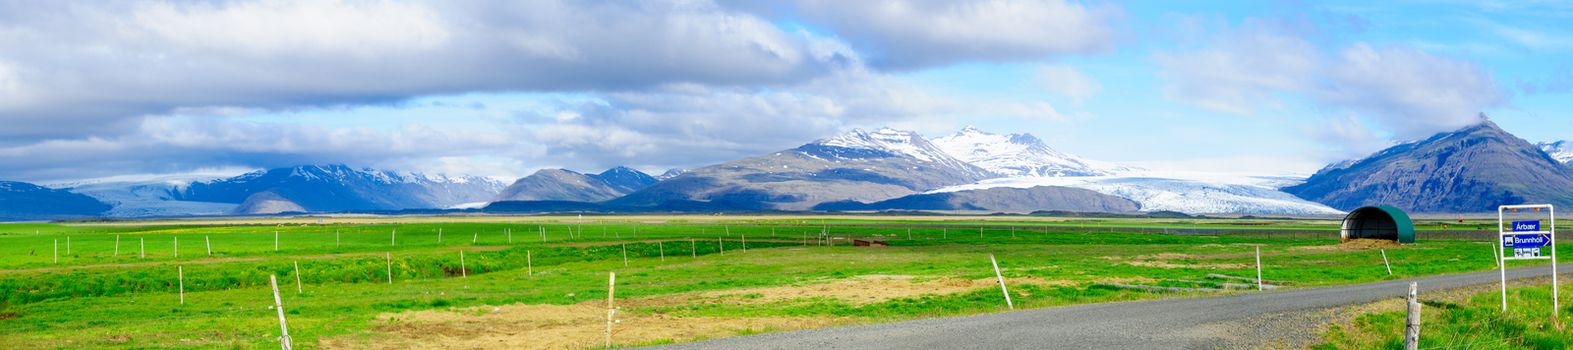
[{"x": 1526, "y": 238}]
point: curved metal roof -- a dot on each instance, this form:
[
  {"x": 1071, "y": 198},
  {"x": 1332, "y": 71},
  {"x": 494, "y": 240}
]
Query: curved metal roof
[{"x": 1404, "y": 226}]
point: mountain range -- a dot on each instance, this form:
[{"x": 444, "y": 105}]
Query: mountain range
[
  {"x": 860, "y": 165},
  {"x": 337, "y": 188},
  {"x": 1468, "y": 170},
  {"x": 25, "y": 201}
]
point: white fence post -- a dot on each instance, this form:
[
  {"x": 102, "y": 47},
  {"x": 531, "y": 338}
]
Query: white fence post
[
  {"x": 208, "y": 241},
  {"x": 625, "y": 254},
  {"x": 278, "y": 304},
  {"x": 142, "y": 247},
  {"x": 298, "y": 289},
  {"x": 463, "y": 272},
  {"x": 1385, "y": 263},
  {"x": 117, "y": 245},
  {"x": 56, "y": 252},
  {"x": 529, "y": 265},
  {"x": 177, "y": 246},
  {"x": 180, "y": 273},
  {"x": 390, "y": 267},
  {"x": 611, "y": 309},
  {"x": 1258, "y": 268},
  {"x": 1001, "y": 278}
]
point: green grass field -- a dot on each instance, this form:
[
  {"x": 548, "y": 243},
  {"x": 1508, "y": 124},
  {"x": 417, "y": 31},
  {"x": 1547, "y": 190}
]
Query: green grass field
[{"x": 685, "y": 278}]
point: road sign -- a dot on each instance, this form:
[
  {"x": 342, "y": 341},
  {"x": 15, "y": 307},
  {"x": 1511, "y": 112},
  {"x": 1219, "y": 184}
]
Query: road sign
[
  {"x": 1526, "y": 238},
  {"x": 1526, "y": 241},
  {"x": 1526, "y": 226}
]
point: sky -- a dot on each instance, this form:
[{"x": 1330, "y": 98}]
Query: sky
[{"x": 97, "y": 89}]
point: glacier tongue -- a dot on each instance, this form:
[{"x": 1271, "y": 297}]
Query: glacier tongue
[{"x": 1197, "y": 195}]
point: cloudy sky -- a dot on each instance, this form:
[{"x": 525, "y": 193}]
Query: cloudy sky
[{"x": 92, "y": 89}]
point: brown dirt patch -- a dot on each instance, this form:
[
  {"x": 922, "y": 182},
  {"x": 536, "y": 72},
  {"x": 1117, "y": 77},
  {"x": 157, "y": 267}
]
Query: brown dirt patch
[
  {"x": 1163, "y": 261},
  {"x": 553, "y": 327},
  {"x": 861, "y": 290},
  {"x": 1355, "y": 245}
]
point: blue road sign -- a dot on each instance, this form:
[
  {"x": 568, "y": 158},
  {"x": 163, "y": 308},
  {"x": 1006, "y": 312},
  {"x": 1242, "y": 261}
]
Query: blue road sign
[
  {"x": 1526, "y": 241},
  {"x": 1526, "y": 226}
]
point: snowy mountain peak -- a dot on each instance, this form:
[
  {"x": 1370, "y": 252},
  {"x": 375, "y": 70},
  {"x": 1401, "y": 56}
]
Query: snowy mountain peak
[
  {"x": 897, "y": 142},
  {"x": 1562, "y": 151},
  {"x": 1016, "y": 155}
]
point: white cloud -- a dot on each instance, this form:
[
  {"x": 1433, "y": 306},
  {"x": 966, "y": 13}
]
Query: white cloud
[
  {"x": 1239, "y": 71},
  {"x": 1407, "y": 92},
  {"x": 909, "y": 34},
  {"x": 1411, "y": 93},
  {"x": 689, "y": 125},
  {"x": 174, "y": 144},
  {"x": 96, "y": 68},
  {"x": 1068, "y": 81}
]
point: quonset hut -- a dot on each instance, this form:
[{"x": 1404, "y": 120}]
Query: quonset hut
[{"x": 1378, "y": 222}]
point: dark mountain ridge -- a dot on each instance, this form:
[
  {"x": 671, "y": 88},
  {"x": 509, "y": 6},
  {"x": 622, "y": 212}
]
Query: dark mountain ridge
[{"x": 1470, "y": 170}]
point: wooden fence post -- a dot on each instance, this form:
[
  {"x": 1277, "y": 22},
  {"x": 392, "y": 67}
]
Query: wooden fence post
[
  {"x": 611, "y": 310},
  {"x": 1412, "y": 324},
  {"x": 625, "y": 254}
]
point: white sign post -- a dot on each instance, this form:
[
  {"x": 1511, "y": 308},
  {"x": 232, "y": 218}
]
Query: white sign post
[{"x": 1526, "y": 238}]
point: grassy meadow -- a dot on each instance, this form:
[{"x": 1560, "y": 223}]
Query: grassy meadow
[{"x": 541, "y": 282}]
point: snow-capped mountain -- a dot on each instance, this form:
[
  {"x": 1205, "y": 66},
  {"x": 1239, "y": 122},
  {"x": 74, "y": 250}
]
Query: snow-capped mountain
[
  {"x": 341, "y": 188},
  {"x": 894, "y": 142},
  {"x": 1187, "y": 193},
  {"x": 859, "y": 165},
  {"x": 568, "y": 185},
  {"x": 1562, "y": 151},
  {"x": 1018, "y": 155}
]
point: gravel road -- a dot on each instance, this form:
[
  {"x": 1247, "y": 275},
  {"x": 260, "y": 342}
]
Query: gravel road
[{"x": 1188, "y": 323}]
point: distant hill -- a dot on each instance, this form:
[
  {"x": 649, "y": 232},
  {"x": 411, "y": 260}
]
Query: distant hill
[
  {"x": 567, "y": 185},
  {"x": 25, "y": 201},
  {"x": 1002, "y": 199},
  {"x": 334, "y": 188},
  {"x": 1470, "y": 170},
  {"x": 860, "y": 165}
]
